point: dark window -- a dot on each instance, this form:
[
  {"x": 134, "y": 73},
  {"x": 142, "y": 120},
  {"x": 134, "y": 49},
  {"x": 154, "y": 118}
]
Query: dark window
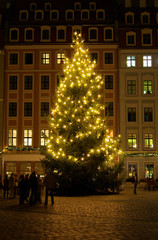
[
  {"x": 47, "y": 7},
  {"x": 145, "y": 19},
  {"x": 27, "y": 109},
  {"x": 108, "y": 58},
  {"x": 129, "y": 19},
  {"x": 33, "y": 7},
  {"x": 92, "y": 6},
  {"x": 84, "y": 15},
  {"x": 45, "y": 34},
  {"x": 69, "y": 15},
  {"x": 108, "y": 34},
  {"x": 109, "y": 109},
  {"x": 108, "y": 81},
  {"x": 100, "y": 15},
  {"x": 59, "y": 77},
  {"x": 61, "y": 34},
  {"x": 54, "y": 15},
  {"x": 130, "y": 39},
  {"x": 44, "y": 109},
  {"x": 28, "y": 82},
  {"x": 39, "y": 15},
  {"x": 12, "y": 82},
  {"x": 44, "y": 82},
  {"x": 29, "y": 34},
  {"x": 93, "y": 34},
  {"x": 13, "y": 58},
  {"x": 132, "y": 114},
  {"x": 148, "y": 114},
  {"x": 146, "y": 38},
  {"x": 28, "y": 58},
  {"x": 77, "y": 6},
  {"x": 12, "y": 109},
  {"x": 94, "y": 57},
  {"x": 14, "y": 35},
  {"x": 131, "y": 87},
  {"x": 23, "y": 16}
]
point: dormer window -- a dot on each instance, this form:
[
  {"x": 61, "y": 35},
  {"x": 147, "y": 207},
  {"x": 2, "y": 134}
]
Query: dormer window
[
  {"x": 69, "y": 15},
  {"x": 85, "y": 14},
  {"x": 92, "y": 6},
  {"x": 47, "y": 6},
  {"x": 145, "y": 18},
  {"x": 39, "y": 15},
  {"x": 33, "y": 6},
  {"x": 23, "y": 15},
  {"x": 54, "y": 15},
  {"x": 100, "y": 15},
  {"x": 77, "y": 6},
  {"x": 129, "y": 18}
]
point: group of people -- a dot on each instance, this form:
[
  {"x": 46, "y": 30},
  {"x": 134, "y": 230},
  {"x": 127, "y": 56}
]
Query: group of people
[{"x": 29, "y": 188}]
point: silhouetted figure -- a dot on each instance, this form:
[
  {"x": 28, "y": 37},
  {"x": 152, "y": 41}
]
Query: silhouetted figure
[
  {"x": 27, "y": 187},
  {"x": 12, "y": 186},
  {"x": 49, "y": 183},
  {"x": 6, "y": 186},
  {"x": 39, "y": 189},
  {"x": 22, "y": 192},
  {"x": 135, "y": 182},
  {"x": 33, "y": 188}
]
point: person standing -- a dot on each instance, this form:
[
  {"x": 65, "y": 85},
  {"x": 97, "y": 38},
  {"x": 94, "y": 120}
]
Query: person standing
[
  {"x": 49, "y": 184},
  {"x": 12, "y": 186},
  {"x": 6, "y": 186},
  {"x": 135, "y": 178},
  {"x": 33, "y": 187}
]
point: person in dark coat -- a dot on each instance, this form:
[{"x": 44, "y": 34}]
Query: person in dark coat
[
  {"x": 33, "y": 188},
  {"x": 49, "y": 184},
  {"x": 135, "y": 182},
  {"x": 6, "y": 186}
]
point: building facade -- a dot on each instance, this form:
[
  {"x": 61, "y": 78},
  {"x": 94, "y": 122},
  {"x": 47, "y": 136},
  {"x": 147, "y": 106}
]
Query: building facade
[{"x": 38, "y": 36}]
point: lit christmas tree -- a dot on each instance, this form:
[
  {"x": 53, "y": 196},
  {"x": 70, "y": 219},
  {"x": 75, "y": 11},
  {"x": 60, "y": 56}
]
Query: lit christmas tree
[{"x": 80, "y": 139}]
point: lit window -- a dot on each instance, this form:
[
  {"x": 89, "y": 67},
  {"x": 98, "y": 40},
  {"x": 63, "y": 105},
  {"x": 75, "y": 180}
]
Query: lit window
[
  {"x": 148, "y": 114},
  {"x": 60, "y": 58},
  {"x": 44, "y": 136},
  {"x": 12, "y": 138},
  {"x": 131, "y": 114},
  {"x": 131, "y": 87},
  {"x": 132, "y": 169},
  {"x": 131, "y": 61},
  {"x": 147, "y": 61},
  {"x": 148, "y": 141},
  {"x": 27, "y": 137},
  {"x": 45, "y": 58},
  {"x": 132, "y": 141},
  {"x": 147, "y": 87}
]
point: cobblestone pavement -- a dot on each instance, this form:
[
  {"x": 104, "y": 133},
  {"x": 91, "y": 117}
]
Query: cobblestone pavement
[{"x": 112, "y": 217}]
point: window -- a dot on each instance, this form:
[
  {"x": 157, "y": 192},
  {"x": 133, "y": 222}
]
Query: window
[
  {"x": 147, "y": 61},
  {"x": 44, "y": 109},
  {"x": 108, "y": 58},
  {"x": 131, "y": 87},
  {"x": 109, "y": 109},
  {"x": 129, "y": 18},
  {"x": 132, "y": 169},
  {"x": 45, "y": 58},
  {"x": 108, "y": 34},
  {"x": 93, "y": 34},
  {"x": 54, "y": 15},
  {"x": 12, "y": 109},
  {"x": 23, "y": 15},
  {"x": 27, "y": 137},
  {"x": 39, "y": 15},
  {"x": 44, "y": 82},
  {"x": 145, "y": 18},
  {"x": 131, "y": 61},
  {"x": 149, "y": 171},
  {"x": 92, "y": 6},
  {"x": 131, "y": 38},
  {"x": 13, "y": 58},
  {"x": 44, "y": 136},
  {"x": 77, "y": 6},
  {"x": 59, "y": 77},
  {"x": 12, "y": 138},
  {"x": 60, "y": 58},
  {"x": 148, "y": 140},
  {"x": 28, "y": 109},
  {"x": 28, "y": 58},
  {"x": 61, "y": 33},
  {"x": 146, "y": 38},
  {"x": 69, "y": 15},
  {"x": 85, "y": 14},
  {"x": 148, "y": 114},
  {"x": 28, "y": 82},
  {"x": 14, "y": 35},
  {"x": 131, "y": 114},
  {"x": 147, "y": 87},
  {"x": 108, "y": 81},
  {"x": 100, "y": 14},
  {"x": 132, "y": 141},
  {"x": 29, "y": 34},
  {"x": 13, "y": 82},
  {"x": 33, "y": 6},
  {"x": 94, "y": 57},
  {"x": 45, "y": 34},
  {"x": 47, "y": 6}
]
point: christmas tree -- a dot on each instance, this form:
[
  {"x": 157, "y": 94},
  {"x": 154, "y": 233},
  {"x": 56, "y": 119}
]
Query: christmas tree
[{"x": 80, "y": 144}]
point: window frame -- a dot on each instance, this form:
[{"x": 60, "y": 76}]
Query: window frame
[
  {"x": 66, "y": 13},
  {"x": 9, "y": 83},
  {"x": 110, "y": 82},
  {"x": 25, "y": 33},
  {"x": 142, "y": 16},
  {"x": 44, "y": 110},
  {"x": 148, "y": 138},
  {"x": 28, "y": 137},
  {"x": 45, "y": 85},
  {"x": 58, "y": 28},
  {"x": 126, "y": 17},
  {"x": 10, "y": 35},
  {"x": 43, "y": 28},
  {"x": 147, "y": 32},
  {"x": 20, "y": 13},
  {"x": 54, "y": 11},
  {"x": 44, "y": 137},
  {"x": 108, "y": 39},
  {"x": 28, "y": 64},
  {"x": 109, "y": 109},
  {"x": 97, "y": 12},
  {"x": 12, "y": 135},
  {"x": 28, "y": 111},
  {"x": 111, "y": 63},
  {"x": 130, "y": 34},
  {"x": 28, "y": 89},
  {"x": 42, "y": 15},
  {"x": 82, "y": 11},
  {"x": 147, "y": 61},
  {"x": 131, "y": 61},
  {"x": 12, "y": 111},
  {"x": 61, "y": 57},
  {"x": 89, "y": 34}
]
